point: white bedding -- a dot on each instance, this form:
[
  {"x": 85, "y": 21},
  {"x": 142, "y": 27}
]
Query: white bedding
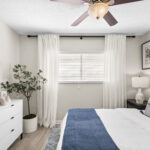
[{"x": 129, "y": 129}]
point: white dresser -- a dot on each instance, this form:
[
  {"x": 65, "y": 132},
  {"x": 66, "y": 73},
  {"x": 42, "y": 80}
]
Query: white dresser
[{"x": 10, "y": 123}]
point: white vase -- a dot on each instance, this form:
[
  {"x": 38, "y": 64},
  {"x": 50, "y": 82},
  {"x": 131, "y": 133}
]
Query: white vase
[
  {"x": 30, "y": 125},
  {"x": 139, "y": 97}
]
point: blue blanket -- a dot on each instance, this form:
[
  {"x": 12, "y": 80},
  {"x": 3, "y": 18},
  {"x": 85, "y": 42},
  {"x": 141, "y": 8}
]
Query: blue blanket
[{"x": 85, "y": 131}]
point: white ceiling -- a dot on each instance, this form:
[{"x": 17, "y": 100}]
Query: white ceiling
[{"x": 44, "y": 16}]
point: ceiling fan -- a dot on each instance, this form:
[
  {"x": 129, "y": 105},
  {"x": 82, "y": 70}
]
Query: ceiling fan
[{"x": 97, "y": 9}]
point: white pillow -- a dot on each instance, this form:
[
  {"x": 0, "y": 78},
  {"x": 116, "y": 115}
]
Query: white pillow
[{"x": 147, "y": 109}]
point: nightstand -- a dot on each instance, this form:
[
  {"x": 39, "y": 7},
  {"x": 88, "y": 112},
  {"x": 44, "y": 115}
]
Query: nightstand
[{"x": 131, "y": 103}]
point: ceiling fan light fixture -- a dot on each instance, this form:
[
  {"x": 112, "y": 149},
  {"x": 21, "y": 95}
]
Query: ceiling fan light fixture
[{"x": 98, "y": 10}]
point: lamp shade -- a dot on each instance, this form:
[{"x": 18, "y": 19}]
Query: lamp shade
[{"x": 140, "y": 82}]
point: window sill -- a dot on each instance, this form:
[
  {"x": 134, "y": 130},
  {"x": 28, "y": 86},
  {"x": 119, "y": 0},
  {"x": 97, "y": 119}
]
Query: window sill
[{"x": 80, "y": 82}]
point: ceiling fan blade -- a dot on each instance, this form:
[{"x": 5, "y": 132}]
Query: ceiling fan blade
[
  {"x": 118, "y": 2},
  {"x": 80, "y": 19},
  {"x": 71, "y": 1},
  {"x": 110, "y": 19}
]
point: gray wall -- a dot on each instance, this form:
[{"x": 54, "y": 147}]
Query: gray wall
[
  {"x": 15, "y": 49},
  {"x": 83, "y": 95},
  {"x": 9, "y": 51}
]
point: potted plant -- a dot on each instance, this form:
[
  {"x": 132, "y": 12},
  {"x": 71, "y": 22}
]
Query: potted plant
[{"x": 25, "y": 83}]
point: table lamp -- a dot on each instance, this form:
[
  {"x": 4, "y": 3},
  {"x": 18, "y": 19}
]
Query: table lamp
[{"x": 140, "y": 82}]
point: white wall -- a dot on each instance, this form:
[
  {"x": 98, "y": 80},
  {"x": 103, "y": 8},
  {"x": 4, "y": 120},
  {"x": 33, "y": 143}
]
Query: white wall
[
  {"x": 84, "y": 95},
  {"x": 13, "y": 47},
  {"x": 28, "y": 56},
  {"x": 86, "y": 44},
  {"x": 79, "y": 95},
  {"x": 146, "y": 37},
  {"x": 9, "y": 51},
  {"x": 133, "y": 63}
]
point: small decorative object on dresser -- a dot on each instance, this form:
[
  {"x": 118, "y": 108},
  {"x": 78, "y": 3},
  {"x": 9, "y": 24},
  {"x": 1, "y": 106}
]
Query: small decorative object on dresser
[
  {"x": 140, "y": 82},
  {"x": 4, "y": 98},
  {"x": 26, "y": 83},
  {"x": 131, "y": 103},
  {"x": 10, "y": 123}
]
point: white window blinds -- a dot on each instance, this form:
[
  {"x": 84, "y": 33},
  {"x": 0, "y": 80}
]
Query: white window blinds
[
  {"x": 92, "y": 67},
  {"x": 81, "y": 67},
  {"x": 69, "y": 67}
]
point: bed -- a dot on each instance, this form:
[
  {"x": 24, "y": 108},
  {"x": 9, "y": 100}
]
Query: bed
[{"x": 129, "y": 129}]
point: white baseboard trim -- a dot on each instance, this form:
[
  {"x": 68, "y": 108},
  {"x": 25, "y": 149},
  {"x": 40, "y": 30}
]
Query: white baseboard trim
[{"x": 58, "y": 121}]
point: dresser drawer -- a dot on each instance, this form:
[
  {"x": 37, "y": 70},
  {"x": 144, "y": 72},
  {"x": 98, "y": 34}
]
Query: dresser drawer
[
  {"x": 10, "y": 111},
  {"x": 10, "y": 126},
  {"x": 11, "y": 137}
]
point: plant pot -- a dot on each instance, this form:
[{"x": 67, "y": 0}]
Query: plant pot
[{"x": 29, "y": 123}]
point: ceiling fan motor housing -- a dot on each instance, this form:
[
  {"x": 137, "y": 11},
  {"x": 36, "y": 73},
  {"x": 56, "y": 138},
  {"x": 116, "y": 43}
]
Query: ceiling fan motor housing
[{"x": 111, "y": 2}]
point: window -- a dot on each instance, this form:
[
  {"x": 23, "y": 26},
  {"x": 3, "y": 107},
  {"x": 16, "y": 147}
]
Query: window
[{"x": 81, "y": 67}]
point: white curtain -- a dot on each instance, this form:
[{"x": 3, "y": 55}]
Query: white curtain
[
  {"x": 48, "y": 46},
  {"x": 114, "y": 89}
]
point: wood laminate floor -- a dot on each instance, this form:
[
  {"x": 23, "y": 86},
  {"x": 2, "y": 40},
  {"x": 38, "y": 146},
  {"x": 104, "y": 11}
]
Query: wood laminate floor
[{"x": 33, "y": 141}]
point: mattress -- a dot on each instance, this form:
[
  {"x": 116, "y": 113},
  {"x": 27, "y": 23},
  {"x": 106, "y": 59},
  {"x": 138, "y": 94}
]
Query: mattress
[{"x": 129, "y": 129}]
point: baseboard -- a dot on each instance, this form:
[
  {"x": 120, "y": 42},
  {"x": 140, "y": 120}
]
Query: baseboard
[{"x": 58, "y": 121}]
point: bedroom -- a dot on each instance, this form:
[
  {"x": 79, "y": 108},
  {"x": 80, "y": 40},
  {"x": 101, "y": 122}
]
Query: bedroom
[{"x": 26, "y": 25}]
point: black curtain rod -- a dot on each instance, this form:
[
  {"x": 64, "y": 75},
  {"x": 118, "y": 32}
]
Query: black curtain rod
[{"x": 81, "y": 36}]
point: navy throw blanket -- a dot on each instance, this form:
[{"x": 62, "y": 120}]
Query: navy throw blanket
[{"x": 85, "y": 131}]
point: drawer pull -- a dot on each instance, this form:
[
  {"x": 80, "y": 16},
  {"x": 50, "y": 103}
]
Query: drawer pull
[
  {"x": 12, "y": 130},
  {"x": 12, "y": 117},
  {"x": 12, "y": 105}
]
